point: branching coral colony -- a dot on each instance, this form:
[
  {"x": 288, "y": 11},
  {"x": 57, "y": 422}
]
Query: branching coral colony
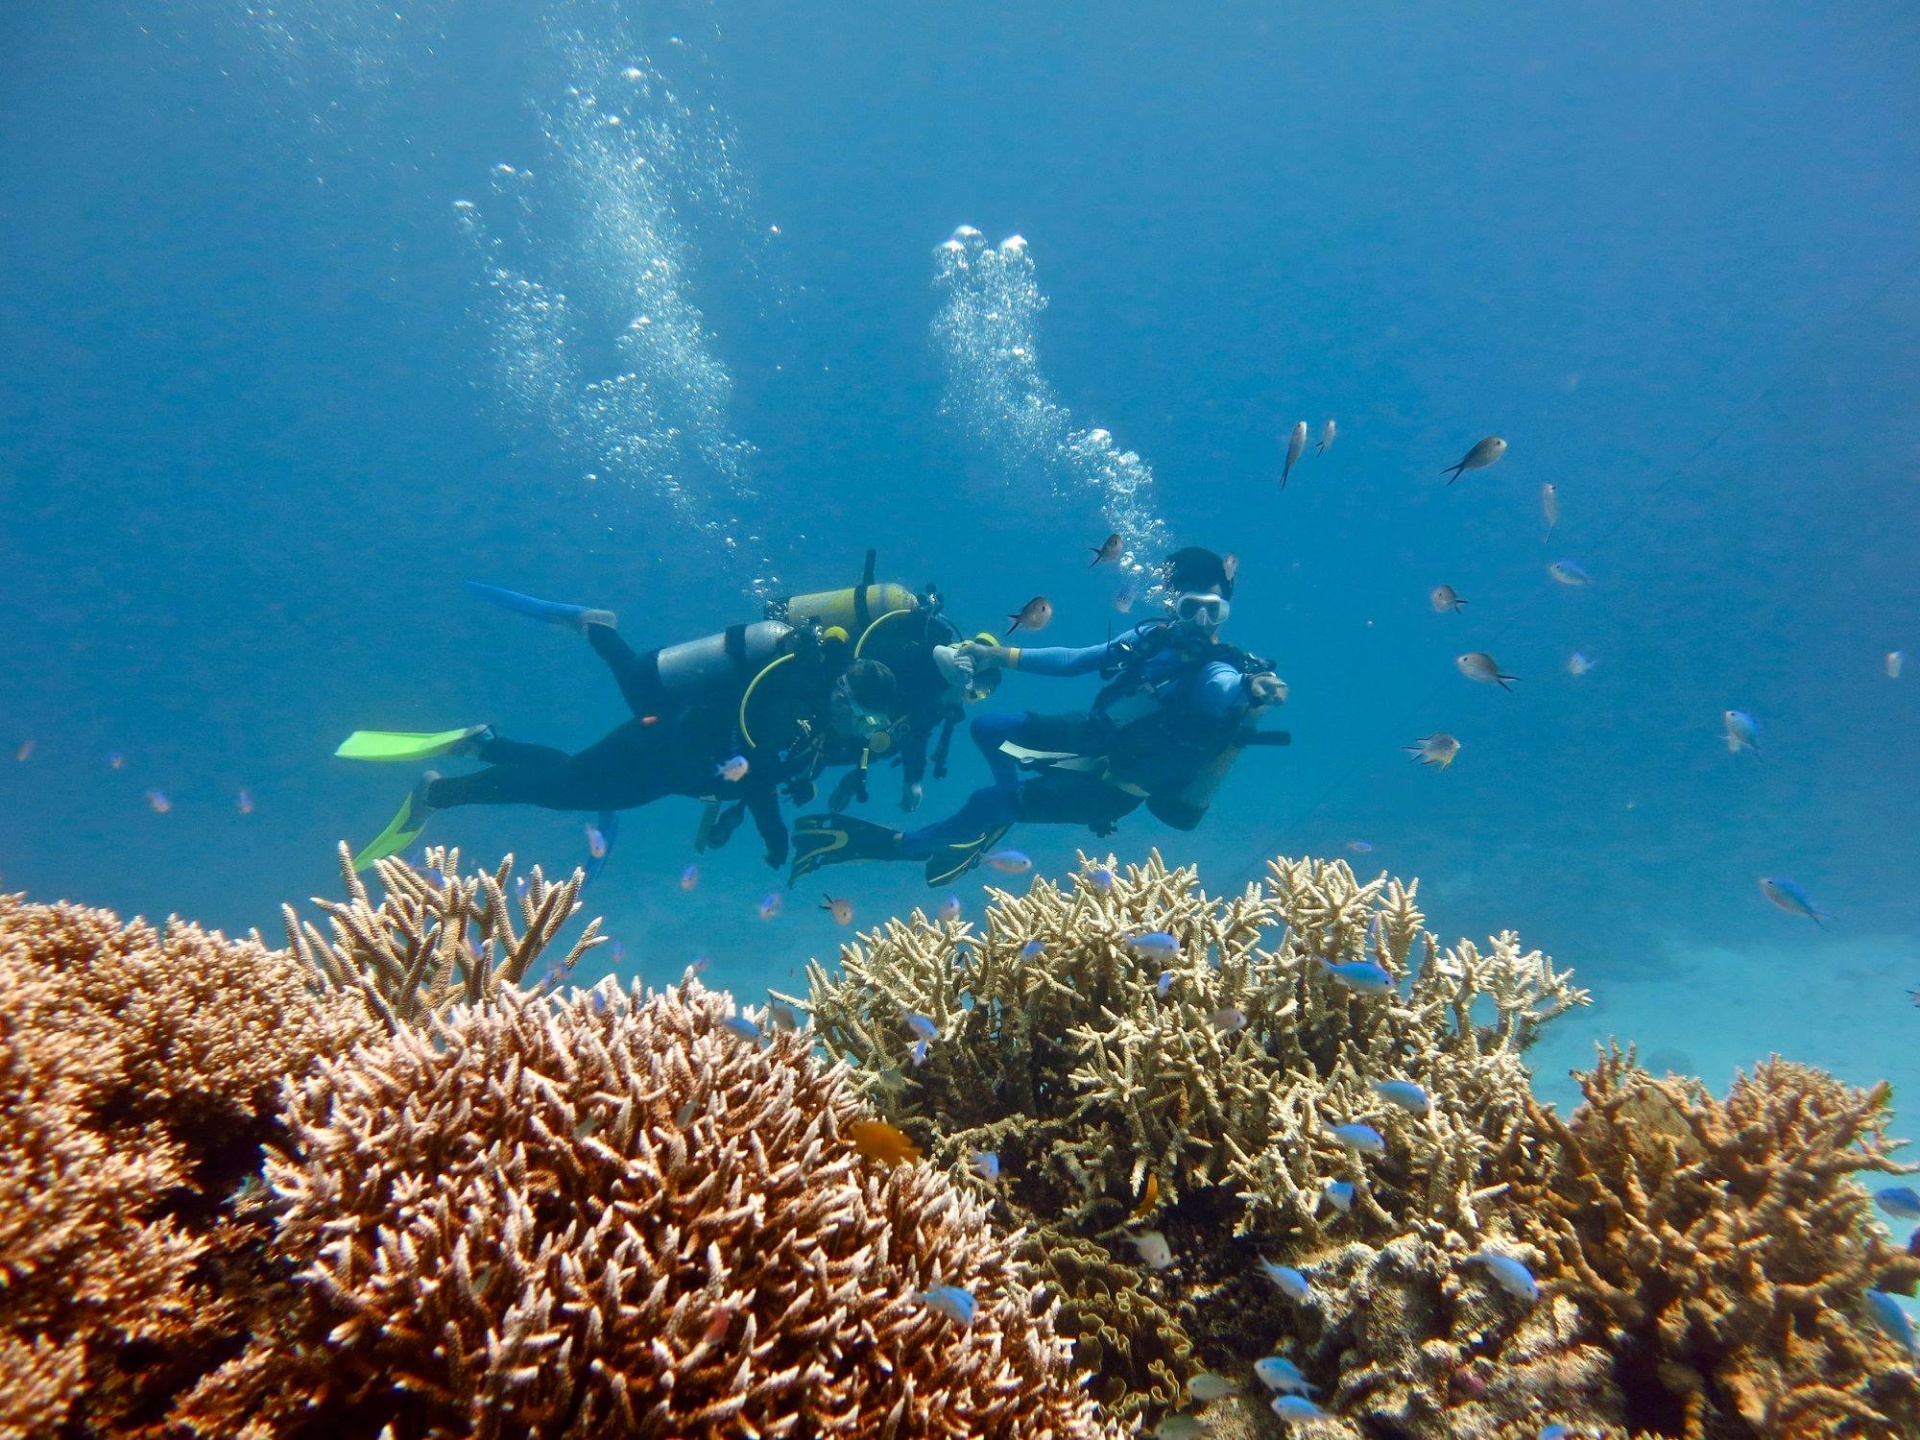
[{"x": 1285, "y": 1132}]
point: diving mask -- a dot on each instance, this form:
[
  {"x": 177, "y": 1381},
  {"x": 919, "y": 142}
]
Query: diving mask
[{"x": 1200, "y": 608}]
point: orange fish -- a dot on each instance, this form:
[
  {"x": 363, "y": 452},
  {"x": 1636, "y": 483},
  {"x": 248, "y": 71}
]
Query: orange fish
[
  {"x": 877, "y": 1140},
  {"x": 1149, "y": 1197},
  {"x": 1033, "y": 615}
]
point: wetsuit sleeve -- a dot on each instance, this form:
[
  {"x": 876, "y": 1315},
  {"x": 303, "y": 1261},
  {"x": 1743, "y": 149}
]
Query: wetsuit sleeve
[
  {"x": 1218, "y": 690},
  {"x": 763, "y": 802},
  {"x": 1064, "y": 659}
]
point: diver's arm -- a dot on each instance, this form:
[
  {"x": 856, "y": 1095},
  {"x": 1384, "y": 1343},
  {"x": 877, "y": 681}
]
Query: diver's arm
[
  {"x": 1056, "y": 660},
  {"x": 763, "y": 803}
]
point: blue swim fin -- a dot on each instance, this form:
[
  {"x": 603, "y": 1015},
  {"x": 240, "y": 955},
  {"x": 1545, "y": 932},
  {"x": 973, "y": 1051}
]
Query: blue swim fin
[{"x": 553, "y": 612}]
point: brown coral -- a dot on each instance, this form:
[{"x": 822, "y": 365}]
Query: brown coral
[
  {"x": 615, "y": 1216},
  {"x": 140, "y": 1072},
  {"x": 1727, "y": 1250}
]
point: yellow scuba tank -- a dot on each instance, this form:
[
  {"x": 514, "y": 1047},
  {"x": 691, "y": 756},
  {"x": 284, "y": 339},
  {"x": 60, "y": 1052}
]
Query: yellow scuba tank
[{"x": 853, "y": 609}]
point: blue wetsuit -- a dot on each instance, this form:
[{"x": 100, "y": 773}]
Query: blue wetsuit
[{"x": 1212, "y": 692}]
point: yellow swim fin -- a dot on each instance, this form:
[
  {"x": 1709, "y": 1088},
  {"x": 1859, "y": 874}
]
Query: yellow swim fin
[
  {"x": 403, "y": 829},
  {"x": 402, "y": 745}
]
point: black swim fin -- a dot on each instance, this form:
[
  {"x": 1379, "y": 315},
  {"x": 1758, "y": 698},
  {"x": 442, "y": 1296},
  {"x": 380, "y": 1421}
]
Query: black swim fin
[{"x": 821, "y": 840}]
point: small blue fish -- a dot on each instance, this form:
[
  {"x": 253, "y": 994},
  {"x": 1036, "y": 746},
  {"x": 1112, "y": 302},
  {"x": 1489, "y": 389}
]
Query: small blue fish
[
  {"x": 1009, "y": 862},
  {"x": 949, "y": 1300},
  {"x": 1292, "y": 1283},
  {"x": 985, "y": 1164},
  {"x": 1361, "y": 975},
  {"x": 1276, "y": 1372},
  {"x": 1101, "y": 878},
  {"x": 1363, "y": 1139},
  {"x": 1154, "y": 945},
  {"x": 744, "y": 1028},
  {"x": 1743, "y": 731},
  {"x": 1403, "y": 1095},
  {"x": 1568, "y": 572},
  {"x": 1554, "y": 1432},
  {"x": 519, "y": 887},
  {"x": 689, "y": 877},
  {"x": 596, "y": 842},
  {"x": 1580, "y": 662},
  {"x": 769, "y": 905},
  {"x": 732, "y": 770},
  {"x": 1297, "y": 1407},
  {"x": 1899, "y": 1200},
  {"x": 1789, "y": 896},
  {"x": 1339, "y": 1194},
  {"x": 1508, "y": 1273},
  {"x": 1360, "y": 847},
  {"x": 699, "y": 965},
  {"x": 1033, "y": 949},
  {"x": 950, "y": 908},
  {"x": 923, "y": 1027},
  {"x": 1891, "y": 1318},
  {"x": 618, "y": 953},
  {"x": 1165, "y": 983},
  {"x": 919, "y": 1053}
]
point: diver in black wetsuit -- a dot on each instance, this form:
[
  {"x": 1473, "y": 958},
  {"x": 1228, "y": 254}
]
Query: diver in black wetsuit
[{"x": 729, "y": 719}]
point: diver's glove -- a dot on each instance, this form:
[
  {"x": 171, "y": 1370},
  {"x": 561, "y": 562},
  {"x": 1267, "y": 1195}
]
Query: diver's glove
[
  {"x": 955, "y": 666},
  {"x": 910, "y": 796},
  {"x": 801, "y": 789},
  {"x": 852, "y": 786},
  {"x": 777, "y": 853}
]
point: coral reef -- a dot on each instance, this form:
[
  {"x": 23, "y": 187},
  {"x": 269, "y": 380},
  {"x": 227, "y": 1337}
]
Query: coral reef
[
  {"x": 437, "y": 938},
  {"x": 140, "y": 1071},
  {"x": 1726, "y": 1251},
  {"x": 1219, "y": 1057},
  {"x": 615, "y": 1215}
]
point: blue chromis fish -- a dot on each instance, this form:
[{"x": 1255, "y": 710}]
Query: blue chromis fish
[
  {"x": 1010, "y": 862},
  {"x": 1165, "y": 983},
  {"x": 919, "y": 1053},
  {"x": 949, "y": 1300},
  {"x": 1297, "y": 1407},
  {"x": 985, "y": 1164},
  {"x": 1339, "y": 1194},
  {"x": 769, "y": 905},
  {"x": 950, "y": 908},
  {"x": 733, "y": 769},
  {"x": 1483, "y": 454},
  {"x": 1296, "y": 447},
  {"x": 1892, "y": 1319},
  {"x": 1033, "y": 949},
  {"x": 1403, "y": 1095},
  {"x": 1479, "y": 665},
  {"x": 1154, "y": 945},
  {"x": 1896, "y": 662},
  {"x": 1361, "y": 975},
  {"x": 1791, "y": 897},
  {"x": 1439, "y": 749},
  {"x": 1508, "y": 1273},
  {"x": 1569, "y": 572},
  {"x": 1362, "y": 1139},
  {"x": 1902, "y": 1201},
  {"x": 1291, "y": 1282},
  {"x": 1100, "y": 877},
  {"x": 1579, "y": 663},
  {"x": 744, "y": 1028},
  {"x": 1554, "y": 1432},
  {"x": 689, "y": 877},
  {"x": 1360, "y": 847},
  {"x": 158, "y": 802},
  {"x": 596, "y": 842},
  {"x": 1742, "y": 731},
  {"x": 1276, "y": 1372},
  {"x": 922, "y": 1026}
]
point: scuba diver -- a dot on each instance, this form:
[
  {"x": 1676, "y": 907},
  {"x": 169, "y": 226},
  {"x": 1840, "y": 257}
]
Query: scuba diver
[
  {"x": 731, "y": 719},
  {"x": 1178, "y": 706}
]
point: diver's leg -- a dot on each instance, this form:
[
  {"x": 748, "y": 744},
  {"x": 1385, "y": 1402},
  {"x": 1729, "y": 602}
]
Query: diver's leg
[
  {"x": 619, "y": 772},
  {"x": 497, "y": 751},
  {"x": 990, "y": 732},
  {"x": 1074, "y": 733},
  {"x": 639, "y": 680},
  {"x": 994, "y": 807}
]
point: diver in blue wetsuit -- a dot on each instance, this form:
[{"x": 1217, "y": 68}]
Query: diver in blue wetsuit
[{"x": 1178, "y": 707}]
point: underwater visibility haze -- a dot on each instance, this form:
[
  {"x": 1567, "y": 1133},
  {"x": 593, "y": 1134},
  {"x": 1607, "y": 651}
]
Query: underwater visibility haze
[{"x": 1538, "y": 388}]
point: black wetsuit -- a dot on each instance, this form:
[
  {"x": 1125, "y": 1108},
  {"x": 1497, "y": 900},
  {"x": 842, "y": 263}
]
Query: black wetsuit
[{"x": 661, "y": 751}]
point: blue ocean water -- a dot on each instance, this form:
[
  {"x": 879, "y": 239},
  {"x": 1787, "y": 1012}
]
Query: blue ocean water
[{"x": 312, "y": 310}]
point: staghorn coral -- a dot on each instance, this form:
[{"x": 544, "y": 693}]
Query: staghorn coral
[
  {"x": 140, "y": 1072},
  {"x": 1087, "y": 1077},
  {"x": 1726, "y": 1250},
  {"x": 436, "y": 939},
  {"x": 614, "y": 1216}
]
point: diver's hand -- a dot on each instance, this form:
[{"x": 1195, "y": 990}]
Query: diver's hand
[
  {"x": 853, "y": 785},
  {"x": 985, "y": 657},
  {"x": 1266, "y": 690},
  {"x": 910, "y": 796},
  {"x": 800, "y": 790},
  {"x": 776, "y": 856}
]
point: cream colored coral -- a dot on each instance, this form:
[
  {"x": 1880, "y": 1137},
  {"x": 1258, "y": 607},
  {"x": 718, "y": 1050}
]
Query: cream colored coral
[
  {"x": 1118, "y": 1065},
  {"x": 436, "y": 939}
]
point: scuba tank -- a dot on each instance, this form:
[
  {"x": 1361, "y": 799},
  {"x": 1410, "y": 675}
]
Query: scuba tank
[
  {"x": 852, "y": 609},
  {"x": 713, "y": 666}
]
